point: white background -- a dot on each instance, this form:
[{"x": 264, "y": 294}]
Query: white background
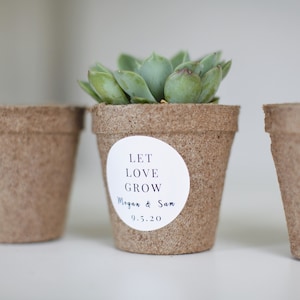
[{"x": 45, "y": 46}]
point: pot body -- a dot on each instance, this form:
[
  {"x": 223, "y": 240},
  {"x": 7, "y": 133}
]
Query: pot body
[
  {"x": 202, "y": 135},
  {"x": 282, "y": 122},
  {"x": 37, "y": 154}
]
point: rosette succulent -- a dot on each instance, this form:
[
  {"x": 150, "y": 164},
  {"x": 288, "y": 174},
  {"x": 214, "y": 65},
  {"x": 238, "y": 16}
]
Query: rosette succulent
[{"x": 157, "y": 79}]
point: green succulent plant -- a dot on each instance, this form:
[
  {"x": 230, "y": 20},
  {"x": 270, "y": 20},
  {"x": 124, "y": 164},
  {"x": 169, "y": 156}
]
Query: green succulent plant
[{"x": 157, "y": 79}]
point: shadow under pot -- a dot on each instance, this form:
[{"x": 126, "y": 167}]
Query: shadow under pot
[
  {"x": 164, "y": 168},
  {"x": 282, "y": 122},
  {"x": 37, "y": 155}
]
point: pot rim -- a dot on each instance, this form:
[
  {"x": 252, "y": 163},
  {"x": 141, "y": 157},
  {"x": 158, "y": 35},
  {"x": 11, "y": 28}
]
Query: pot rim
[
  {"x": 282, "y": 117},
  {"x": 164, "y": 118},
  {"x": 41, "y": 118},
  {"x": 282, "y": 105}
]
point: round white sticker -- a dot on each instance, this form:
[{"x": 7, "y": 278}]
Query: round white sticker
[{"x": 148, "y": 182}]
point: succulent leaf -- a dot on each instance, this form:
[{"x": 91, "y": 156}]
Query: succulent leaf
[
  {"x": 210, "y": 83},
  {"x": 183, "y": 86},
  {"x": 98, "y": 67},
  {"x": 134, "y": 85},
  {"x": 179, "y": 58},
  {"x": 214, "y": 100},
  {"x": 208, "y": 62},
  {"x": 158, "y": 79},
  {"x": 225, "y": 68},
  {"x": 139, "y": 100},
  {"x": 128, "y": 62},
  {"x": 106, "y": 87},
  {"x": 87, "y": 88},
  {"x": 193, "y": 66},
  {"x": 155, "y": 69}
]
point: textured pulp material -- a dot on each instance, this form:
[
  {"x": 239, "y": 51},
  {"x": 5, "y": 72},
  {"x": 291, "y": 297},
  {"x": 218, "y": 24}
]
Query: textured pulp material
[
  {"x": 37, "y": 154},
  {"x": 202, "y": 134},
  {"x": 282, "y": 122}
]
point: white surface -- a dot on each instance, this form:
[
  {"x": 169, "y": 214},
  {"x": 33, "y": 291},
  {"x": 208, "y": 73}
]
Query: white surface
[{"x": 250, "y": 260}]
